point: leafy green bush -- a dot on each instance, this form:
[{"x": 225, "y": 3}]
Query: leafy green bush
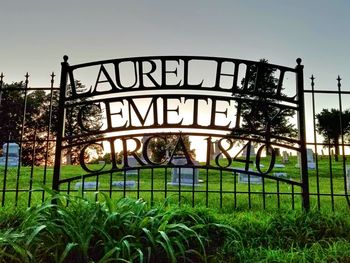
[
  {"x": 131, "y": 231},
  {"x": 126, "y": 230}
]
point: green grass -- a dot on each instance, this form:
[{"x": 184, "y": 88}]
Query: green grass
[
  {"x": 222, "y": 190},
  {"x": 128, "y": 230}
]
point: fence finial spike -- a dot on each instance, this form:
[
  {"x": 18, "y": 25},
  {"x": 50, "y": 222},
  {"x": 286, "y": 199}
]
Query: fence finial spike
[
  {"x": 65, "y": 58},
  {"x": 52, "y": 77},
  {"x": 312, "y": 80},
  {"x": 2, "y": 75},
  {"x": 299, "y": 61},
  {"x": 339, "y": 79}
]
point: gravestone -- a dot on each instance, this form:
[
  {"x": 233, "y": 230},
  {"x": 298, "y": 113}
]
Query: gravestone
[
  {"x": 281, "y": 175},
  {"x": 277, "y": 151},
  {"x": 185, "y": 176},
  {"x": 87, "y": 185},
  {"x": 216, "y": 149},
  {"x": 132, "y": 162},
  {"x": 278, "y": 165},
  {"x": 310, "y": 159},
  {"x": 285, "y": 157},
  {"x": 120, "y": 184},
  {"x": 12, "y": 156},
  {"x": 245, "y": 178},
  {"x": 252, "y": 151},
  {"x": 347, "y": 168}
]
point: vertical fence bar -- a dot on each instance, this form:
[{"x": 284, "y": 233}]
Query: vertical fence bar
[
  {"x": 138, "y": 184},
  {"x": 235, "y": 189},
  {"x": 207, "y": 188},
  {"x": 166, "y": 182},
  {"x": 60, "y": 124},
  {"x": 152, "y": 187},
  {"x": 315, "y": 141},
  {"x": 22, "y": 136},
  {"x": 48, "y": 134},
  {"x": 179, "y": 185},
  {"x": 31, "y": 178},
  {"x": 5, "y": 171},
  {"x": 293, "y": 199},
  {"x": 278, "y": 195},
  {"x": 1, "y": 85},
  {"x": 342, "y": 139},
  {"x": 302, "y": 134},
  {"x": 330, "y": 173},
  {"x": 220, "y": 189},
  {"x": 193, "y": 175},
  {"x": 263, "y": 193},
  {"x": 110, "y": 184}
]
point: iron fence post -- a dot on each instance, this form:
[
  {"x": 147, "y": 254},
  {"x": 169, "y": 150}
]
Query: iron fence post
[
  {"x": 302, "y": 135},
  {"x": 61, "y": 121}
]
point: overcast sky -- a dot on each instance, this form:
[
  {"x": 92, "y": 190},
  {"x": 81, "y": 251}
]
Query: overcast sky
[{"x": 36, "y": 34}]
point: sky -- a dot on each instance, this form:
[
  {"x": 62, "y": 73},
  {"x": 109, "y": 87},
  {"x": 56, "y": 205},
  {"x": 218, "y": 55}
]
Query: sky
[{"x": 36, "y": 34}]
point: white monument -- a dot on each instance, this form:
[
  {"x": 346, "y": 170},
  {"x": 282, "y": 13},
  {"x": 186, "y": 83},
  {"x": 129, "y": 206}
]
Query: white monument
[
  {"x": 245, "y": 178},
  {"x": 252, "y": 151},
  {"x": 281, "y": 175},
  {"x": 310, "y": 159},
  {"x": 87, "y": 185},
  {"x": 12, "y": 156},
  {"x": 132, "y": 162},
  {"x": 285, "y": 157},
  {"x": 347, "y": 168},
  {"x": 185, "y": 176},
  {"x": 121, "y": 184}
]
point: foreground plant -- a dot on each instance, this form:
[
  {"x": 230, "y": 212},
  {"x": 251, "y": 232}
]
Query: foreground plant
[{"x": 126, "y": 230}]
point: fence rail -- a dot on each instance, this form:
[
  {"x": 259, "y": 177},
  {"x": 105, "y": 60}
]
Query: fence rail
[{"x": 29, "y": 119}]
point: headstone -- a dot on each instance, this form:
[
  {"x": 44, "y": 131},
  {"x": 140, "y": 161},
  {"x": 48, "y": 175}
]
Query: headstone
[
  {"x": 185, "y": 176},
  {"x": 278, "y": 165},
  {"x": 12, "y": 156},
  {"x": 285, "y": 157},
  {"x": 245, "y": 178},
  {"x": 132, "y": 162},
  {"x": 281, "y": 175},
  {"x": 310, "y": 159},
  {"x": 87, "y": 185},
  {"x": 277, "y": 151},
  {"x": 252, "y": 151},
  {"x": 347, "y": 168},
  {"x": 120, "y": 184},
  {"x": 215, "y": 150}
]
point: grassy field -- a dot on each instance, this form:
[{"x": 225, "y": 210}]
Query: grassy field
[
  {"x": 129, "y": 230},
  {"x": 220, "y": 189},
  {"x": 234, "y": 228}
]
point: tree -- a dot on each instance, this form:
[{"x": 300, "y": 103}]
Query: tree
[
  {"x": 13, "y": 99},
  {"x": 159, "y": 149},
  {"x": 328, "y": 125},
  {"x": 36, "y": 122},
  {"x": 90, "y": 115},
  {"x": 261, "y": 117}
]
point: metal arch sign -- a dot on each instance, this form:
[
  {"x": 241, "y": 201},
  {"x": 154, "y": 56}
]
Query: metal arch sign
[{"x": 255, "y": 103}]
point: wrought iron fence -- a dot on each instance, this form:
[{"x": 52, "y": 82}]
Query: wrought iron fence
[{"x": 33, "y": 117}]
